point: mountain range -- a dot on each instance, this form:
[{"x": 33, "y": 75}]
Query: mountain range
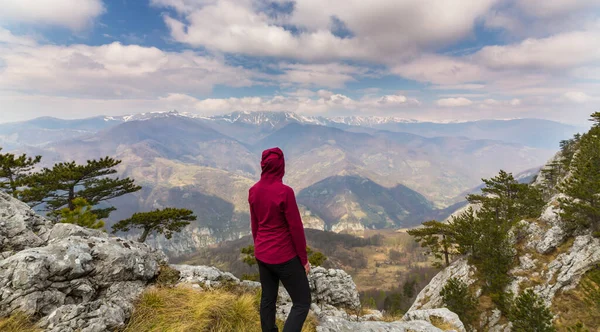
[{"x": 349, "y": 173}]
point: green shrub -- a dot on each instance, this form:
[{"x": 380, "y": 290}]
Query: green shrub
[
  {"x": 458, "y": 299},
  {"x": 530, "y": 314}
]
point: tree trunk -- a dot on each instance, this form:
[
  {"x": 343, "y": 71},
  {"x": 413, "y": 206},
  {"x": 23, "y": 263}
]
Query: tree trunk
[
  {"x": 144, "y": 235},
  {"x": 71, "y": 198},
  {"x": 446, "y": 250}
]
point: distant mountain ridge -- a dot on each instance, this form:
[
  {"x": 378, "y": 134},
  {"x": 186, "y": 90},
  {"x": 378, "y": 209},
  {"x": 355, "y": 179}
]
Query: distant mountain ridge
[
  {"x": 529, "y": 132},
  {"x": 347, "y": 178}
]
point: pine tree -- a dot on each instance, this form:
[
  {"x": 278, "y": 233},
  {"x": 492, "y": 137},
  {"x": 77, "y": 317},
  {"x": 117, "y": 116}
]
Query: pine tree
[
  {"x": 15, "y": 171},
  {"x": 315, "y": 258},
  {"x": 82, "y": 215},
  {"x": 166, "y": 221},
  {"x": 466, "y": 231},
  {"x": 249, "y": 257},
  {"x": 530, "y": 314},
  {"x": 581, "y": 208},
  {"x": 457, "y": 297},
  {"x": 435, "y": 236},
  {"x": 63, "y": 183},
  {"x": 250, "y": 260}
]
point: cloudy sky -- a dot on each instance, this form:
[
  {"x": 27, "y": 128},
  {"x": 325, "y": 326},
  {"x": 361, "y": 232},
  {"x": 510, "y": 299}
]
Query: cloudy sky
[{"x": 418, "y": 59}]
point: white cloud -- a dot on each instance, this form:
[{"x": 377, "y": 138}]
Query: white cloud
[
  {"x": 553, "y": 8},
  {"x": 325, "y": 102},
  {"x": 6, "y": 37},
  {"x": 241, "y": 27},
  {"x": 440, "y": 69},
  {"x": 561, "y": 51},
  {"x": 454, "y": 102},
  {"x": 73, "y": 14},
  {"x": 576, "y": 96},
  {"x": 113, "y": 71},
  {"x": 330, "y": 75}
]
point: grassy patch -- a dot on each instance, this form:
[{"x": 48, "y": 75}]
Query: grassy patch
[
  {"x": 573, "y": 308},
  {"x": 183, "y": 309},
  {"x": 442, "y": 324},
  {"x": 18, "y": 322}
]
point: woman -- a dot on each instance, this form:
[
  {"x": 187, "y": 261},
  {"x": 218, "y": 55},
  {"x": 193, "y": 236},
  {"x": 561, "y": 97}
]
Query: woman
[{"x": 279, "y": 244}]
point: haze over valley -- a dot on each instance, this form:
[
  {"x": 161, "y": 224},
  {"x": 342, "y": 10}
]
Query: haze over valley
[{"x": 349, "y": 174}]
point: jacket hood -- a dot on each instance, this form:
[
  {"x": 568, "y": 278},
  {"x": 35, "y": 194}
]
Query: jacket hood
[{"x": 272, "y": 164}]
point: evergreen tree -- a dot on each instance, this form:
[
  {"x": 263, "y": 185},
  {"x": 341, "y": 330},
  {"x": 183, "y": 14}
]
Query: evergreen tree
[
  {"x": 249, "y": 257},
  {"x": 409, "y": 289},
  {"x": 466, "y": 231},
  {"x": 315, "y": 258},
  {"x": 166, "y": 221},
  {"x": 506, "y": 201},
  {"x": 485, "y": 235},
  {"x": 458, "y": 299},
  {"x": 16, "y": 171},
  {"x": 435, "y": 236},
  {"x": 393, "y": 304},
  {"x": 530, "y": 314},
  {"x": 82, "y": 215},
  {"x": 63, "y": 183},
  {"x": 581, "y": 208}
]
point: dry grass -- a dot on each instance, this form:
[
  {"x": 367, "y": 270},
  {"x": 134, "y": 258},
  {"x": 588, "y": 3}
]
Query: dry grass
[
  {"x": 573, "y": 308},
  {"x": 441, "y": 324},
  {"x": 18, "y": 322},
  {"x": 183, "y": 309}
]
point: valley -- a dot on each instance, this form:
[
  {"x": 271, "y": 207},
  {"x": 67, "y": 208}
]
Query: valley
[{"x": 350, "y": 175}]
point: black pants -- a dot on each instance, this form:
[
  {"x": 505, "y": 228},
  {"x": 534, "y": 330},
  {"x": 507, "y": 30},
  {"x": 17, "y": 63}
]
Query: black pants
[{"x": 293, "y": 277}]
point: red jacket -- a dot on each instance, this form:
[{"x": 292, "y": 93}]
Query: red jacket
[{"x": 276, "y": 224}]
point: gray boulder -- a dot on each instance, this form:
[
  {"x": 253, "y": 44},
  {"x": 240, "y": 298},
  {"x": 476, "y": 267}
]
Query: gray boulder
[
  {"x": 338, "y": 324},
  {"x": 74, "y": 279},
  {"x": 429, "y": 297},
  {"x": 436, "y": 315},
  {"x": 20, "y": 227}
]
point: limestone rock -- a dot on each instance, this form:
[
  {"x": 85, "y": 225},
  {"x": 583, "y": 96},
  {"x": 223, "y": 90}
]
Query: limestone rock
[
  {"x": 73, "y": 279},
  {"x": 338, "y": 324},
  {"x": 436, "y": 315},
  {"x": 20, "y": 227},
  {"x": 568, "y": 268},
  {"x": 334, "y": 287},
  {"x": 207, "y": 276},
  {"x": 429, "y": 297}
]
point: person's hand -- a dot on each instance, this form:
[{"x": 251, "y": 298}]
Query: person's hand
[{"x": 307, "y": 268}]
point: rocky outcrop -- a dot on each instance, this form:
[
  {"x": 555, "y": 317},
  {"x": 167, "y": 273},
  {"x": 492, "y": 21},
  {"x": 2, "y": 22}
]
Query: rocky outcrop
[
  {"x": 331, "y": 289},
  {"x": 77, "y": 279},
  {"x": 20, "y": 227},
  {"x": 74, "y": 279},
  {"x": 429, "y": 297},
  {"x": 337, "y": 324},
  {"x": 565, "y": 272},
  {"x": 547, "y": 264},
  {"x": 440, "y": 315}
]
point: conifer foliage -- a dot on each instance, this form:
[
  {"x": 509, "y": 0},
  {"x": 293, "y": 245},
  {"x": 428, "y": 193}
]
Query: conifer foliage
[
  {"x": 581, "y": 206},
  {"x": 82, "y": 215},
  {"x": 162, "y": 221},
  {"x": 458, "y": 298},
  {"x": 16, "y": 171},
  {"x": 530, "y": 314},
  {"x": 485, "y": 234},
  {"x": 93, "y": 181}
]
